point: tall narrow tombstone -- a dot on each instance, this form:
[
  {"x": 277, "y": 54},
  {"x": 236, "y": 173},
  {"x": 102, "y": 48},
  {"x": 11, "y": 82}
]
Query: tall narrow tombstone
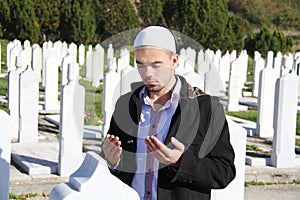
[
  {"x": 225, "y": 69},
  {"x": 110, "y": 94},
  {"x": 14, "y": 53},
  {"x": 69, "y": 59},
  {"x": 13, "y": 101},
  {"x": 81, "y": 52},
  {"x": 71, "y": 124},
  {"x": 98, "y": 66},
  {"x": 266, "y": 94},
  {"x": 73, "y": 50},
  {"x": 9, "y": 47},
  {"x": 29, "y": 100},
  {"x": 5, "y": 151},
  {"x": 25, "y": 58},
  {"x": 89, "y": 63},
  {"x": 57, "y": 48},
  {"x": 277, "y": 63},
  {"x": 37, "y": 60},
  {"x": 110, "y": 52},
  {"x": 51, "y": 83},
  {"x": 258, "y": 66},
  {"x": 234, "y": 87},
  {"x": 285, "y": 116}
]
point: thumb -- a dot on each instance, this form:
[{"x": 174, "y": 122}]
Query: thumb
[{"x": 178, "y": 145}]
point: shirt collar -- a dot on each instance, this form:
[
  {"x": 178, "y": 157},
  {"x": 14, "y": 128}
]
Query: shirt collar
[{"x": 174, "y": 97}]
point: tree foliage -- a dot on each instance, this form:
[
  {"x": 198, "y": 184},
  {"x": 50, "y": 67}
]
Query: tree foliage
[{"x": 265, "y": 41}]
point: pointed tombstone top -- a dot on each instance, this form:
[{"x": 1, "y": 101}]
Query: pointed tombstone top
[{"x": 26, "y": 44}]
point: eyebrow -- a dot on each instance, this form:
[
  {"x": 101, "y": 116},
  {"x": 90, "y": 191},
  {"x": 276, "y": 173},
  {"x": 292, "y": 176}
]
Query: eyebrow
[{"x": 155, "y": 62}]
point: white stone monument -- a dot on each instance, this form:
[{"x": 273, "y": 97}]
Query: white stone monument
[
  {"x": 285, "y": 116},
  {"x": 28, "y": 104},
  {"x": 81, "y": 54},
  {"x": 71, "y": 124},
  {"x": 89, "y": 63},
  {"x": 93, "y": 181},
  {"x": 110, "y": 94},
  {"x": 37, "y": 60},
  {"x": 13, "y": 101},
  {"x": 266, "y": 94},
  {"x": 5, "y": 152},
  {"x": 51, "y": 83},
  {"x": 98, "y": 66},
  {"x": 235, "y": 190}
]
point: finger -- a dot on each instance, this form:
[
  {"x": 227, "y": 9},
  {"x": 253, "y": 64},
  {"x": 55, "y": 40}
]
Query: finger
[{"x": 177, "y": 145}]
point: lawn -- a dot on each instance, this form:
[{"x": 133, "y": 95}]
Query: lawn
[{"x": 251, "y": 115}]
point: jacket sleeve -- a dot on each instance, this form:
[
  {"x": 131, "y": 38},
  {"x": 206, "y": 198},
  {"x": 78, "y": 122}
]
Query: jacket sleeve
[{"x": 213, "y": 166}]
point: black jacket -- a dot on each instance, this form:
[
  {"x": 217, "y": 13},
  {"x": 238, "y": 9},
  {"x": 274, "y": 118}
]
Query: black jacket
[{"x": 198, "y": 122}]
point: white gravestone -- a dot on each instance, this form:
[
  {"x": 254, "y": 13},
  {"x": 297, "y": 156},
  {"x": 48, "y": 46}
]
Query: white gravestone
[
  {"x": 110, "y": 52},
  {"x": 235, "y": 190},
  {"x": 29, "y": 101},
  {"x": 286, "y": 100},
  {"x": 110, "y": 94},
  {"x": 13, "y": 101},
  {"x": 57, "y": 48},
  {"x": 266, "y": 94},
  {"x": 213, "y": 82},
  {"x": 98, "y": 66},
  {"x": 258, "y": 66},
  {"x": 124, "y": 60},
  {"x": 89, "y": 63},
  {"x": 51, "y": 84},
  {"x": 69, "y": 59},
  {"x": 195, "y": 80},
  {"x": 9, "y": 47},
  {"x": 14, "y": 53},
  {"x": 71, "y": 124},
  {"x": 5, "y": 152},
  {"x": 234, "y": 86},
  {"x": 37, "y": 60},
  {"x": 129, "y": 75},
  {"x": 225, "y": 69},
  {"x": 81, "y": 52},
  {"x": 73, "y": 50},
  {"x": 93, "y": 181}
]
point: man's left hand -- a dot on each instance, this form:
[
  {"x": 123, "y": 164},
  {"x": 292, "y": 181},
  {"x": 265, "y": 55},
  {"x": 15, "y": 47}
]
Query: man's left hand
[{"x": 163, "y": 153}]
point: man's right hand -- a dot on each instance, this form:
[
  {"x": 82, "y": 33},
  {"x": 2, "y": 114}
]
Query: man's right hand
[{"x": 112, "y": 149}]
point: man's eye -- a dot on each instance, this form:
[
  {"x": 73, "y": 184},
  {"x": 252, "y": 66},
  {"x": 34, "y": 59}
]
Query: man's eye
[{"x": 156, "y": 66}]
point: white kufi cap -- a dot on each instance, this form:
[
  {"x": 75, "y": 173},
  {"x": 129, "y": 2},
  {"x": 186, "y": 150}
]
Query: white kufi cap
[{"x": 156, "y": 36}]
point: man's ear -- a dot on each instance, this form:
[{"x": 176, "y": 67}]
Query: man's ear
[{"x": 175, "y": 59}]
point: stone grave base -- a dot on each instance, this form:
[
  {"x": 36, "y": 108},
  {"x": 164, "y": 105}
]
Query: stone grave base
[
  {"x": 36, "y": 159},
  {"x": 90, "y": 132}
]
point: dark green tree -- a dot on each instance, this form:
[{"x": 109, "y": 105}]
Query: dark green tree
[
  {"x": 265, "y": 41},
  {"x": 77, "y": 22},
  {"x": 21, "y": 21},
  {"x": 205, "y": 21},
  {"x": 151, "y": 12},
  {"x": 48, "y": 18},
  {"x": 114, "y": 17}
]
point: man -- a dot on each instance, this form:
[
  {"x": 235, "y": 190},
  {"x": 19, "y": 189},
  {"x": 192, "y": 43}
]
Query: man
[{"x": 168, "y": 140}]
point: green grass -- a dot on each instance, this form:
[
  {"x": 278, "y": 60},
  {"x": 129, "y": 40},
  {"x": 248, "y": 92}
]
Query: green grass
[
  {"x": 22, "y": 196},
  {"x": 3, "y": 86},
  {"x": 252, "y": 148},
  {"x": 260, "y": 183},
  {"x": 248, "y": 115}
]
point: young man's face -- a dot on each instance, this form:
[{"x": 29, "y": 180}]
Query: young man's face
[{"x": 156, "y": 67}]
